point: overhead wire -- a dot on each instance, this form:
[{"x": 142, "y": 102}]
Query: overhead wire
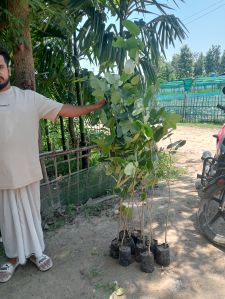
[
  {"x": 201, "y": 16},
  {"x": 200, "y": 11}
]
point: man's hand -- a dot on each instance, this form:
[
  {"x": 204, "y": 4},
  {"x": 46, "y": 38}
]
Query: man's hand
[
  {"x": 100, "y": 103},
  {"x": 76, "y": 111}
]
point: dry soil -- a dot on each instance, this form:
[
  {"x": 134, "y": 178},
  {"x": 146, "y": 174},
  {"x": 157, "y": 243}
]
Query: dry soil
[{"x": 82, "y": 266}]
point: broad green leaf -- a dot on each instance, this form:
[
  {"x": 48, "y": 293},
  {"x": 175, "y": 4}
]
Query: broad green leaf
[
  {"x": 98, "y": 93},
  {"x": 137, "y": 111},
  {"x": 119, "y": 43},
  {"x": 138, "y": 107},
  {"x": 177, "y": 144},
  {"x": 131, "y": 27},
  {"x": 135, "y": 80},
  {"x": 128, "y": 86},
  {"x": 130, "y": 100},
  {"x": 138, "y": 124},
  {"x": 109, "y": 139},
  {"x": 136, "y": 137},
  {"x": 115, "y": 97},
  {"x": 125, "y": 126},
  {"x": 129, "y": 169},
  {"x": 158, "y": 134},
  {"x": 134, "y": 54},
  {"x": 111, "y": 122},
  {"x": 171, "y": 119},
  {"x": 103, "y": 117},
  {"x": 124, "y": 77},
  {"x": 147, "y": 131},
  {"x": 117, "y": 160},
  {"x": 112, "y": 78},
  {"x": 132, "y": 43}
]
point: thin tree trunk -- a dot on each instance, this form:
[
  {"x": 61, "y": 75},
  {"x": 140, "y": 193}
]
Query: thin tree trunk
[
  {"x": 85, "y": 162},
  {"x": 47, "y": 135},
  {"x": 72, "y": 132},
  {"x": 123, "y": 8},
  {"x": 22, "y": 52},
  {"x": 63, "y": 138},
  {"x": 62, "y": 128}
]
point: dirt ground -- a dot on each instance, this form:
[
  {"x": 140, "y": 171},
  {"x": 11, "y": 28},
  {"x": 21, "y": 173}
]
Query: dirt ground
[{"x": 82, "y": 266}]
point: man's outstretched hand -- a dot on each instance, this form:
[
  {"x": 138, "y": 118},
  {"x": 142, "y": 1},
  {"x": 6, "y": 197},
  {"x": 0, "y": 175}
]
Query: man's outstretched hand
[
  {"x": 100, "y": 103},
  {"x": 75, "y": 111}
]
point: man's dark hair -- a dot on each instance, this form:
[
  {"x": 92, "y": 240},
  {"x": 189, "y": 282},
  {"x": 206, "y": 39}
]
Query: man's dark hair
[{"x": 5, "y": 54}]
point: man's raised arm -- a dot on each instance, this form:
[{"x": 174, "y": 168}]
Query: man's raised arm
[{"x": 76, "y": 111}]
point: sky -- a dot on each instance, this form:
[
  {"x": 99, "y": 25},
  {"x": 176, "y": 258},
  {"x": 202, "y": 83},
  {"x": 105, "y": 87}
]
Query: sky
[{"x": 205, "y": 21}]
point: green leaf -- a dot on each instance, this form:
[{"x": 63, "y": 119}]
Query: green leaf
[
  {"x": 171, "y": 119},
  {"x": 126, "y": 211},
  {"x": 135, "y": 80},
  {"x": 138, "y": 107},
  {"x": 126, "y": 126},
  {"x": 115, "y": 97},
  {"x": 158, "y": 134},
  {"x": 132, "y": 43},
  {"x": 129, "y": 169},
  {"x": 131, "y": 27},
  {"x": 103, "y": 117},
  {"x": 128, "y": 86},
  {"x": 134, "y": 54},
  {"x": 143, "y": 196},
  {"x": 138, "y": 125},
  {"x": 119, "y": 43},
  {"x": 98, "y": 93},
  {"x": 112, "y": 78},
  {"x": 147, "y": 131},
  {"x": 177, "y": 144}
]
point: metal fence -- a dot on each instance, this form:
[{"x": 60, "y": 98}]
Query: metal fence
[
  {"x": 194, "y": 107},
  {"x": 65, "y": 184}
]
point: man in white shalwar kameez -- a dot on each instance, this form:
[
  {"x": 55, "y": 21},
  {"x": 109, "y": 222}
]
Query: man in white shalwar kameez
[{"x": 20, "y": 171}]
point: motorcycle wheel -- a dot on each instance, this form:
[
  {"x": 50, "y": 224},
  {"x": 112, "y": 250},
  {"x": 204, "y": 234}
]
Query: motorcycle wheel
[{"x": 211, "y": 218}]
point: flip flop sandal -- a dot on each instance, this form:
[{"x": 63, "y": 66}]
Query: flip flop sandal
[
  {"x": 41, "y": 262},
  {"x": 7, "y": 270}
]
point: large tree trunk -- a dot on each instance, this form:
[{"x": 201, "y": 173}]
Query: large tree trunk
[{"x": 22, "y": 53}]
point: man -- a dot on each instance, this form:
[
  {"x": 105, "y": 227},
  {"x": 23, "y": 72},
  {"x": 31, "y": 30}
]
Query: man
[{"x": 20, "y": 171}]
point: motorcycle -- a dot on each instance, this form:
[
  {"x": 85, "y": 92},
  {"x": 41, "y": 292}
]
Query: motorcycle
[{"x": 211, "y": 190}]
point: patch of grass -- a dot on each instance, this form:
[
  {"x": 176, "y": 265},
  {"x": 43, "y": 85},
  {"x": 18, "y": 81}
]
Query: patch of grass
[
  {"x": 106, "y": 287},
  {"x": 167, "y": 169},
  {"x": 95, "y": 272}
]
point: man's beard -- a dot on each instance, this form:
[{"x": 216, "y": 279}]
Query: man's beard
[{"x": 4, "y": 84}]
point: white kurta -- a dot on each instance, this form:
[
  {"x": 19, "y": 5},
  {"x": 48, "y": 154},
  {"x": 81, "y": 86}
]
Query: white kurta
[
  {"x": 20, "y": 222},
  {"x": 20, "y": 170}
]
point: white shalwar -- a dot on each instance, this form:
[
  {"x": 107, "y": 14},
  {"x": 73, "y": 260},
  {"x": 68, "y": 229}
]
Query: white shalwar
[
  {"x": 20, "y": 222},
  {"x": 20, "y": 170}
]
